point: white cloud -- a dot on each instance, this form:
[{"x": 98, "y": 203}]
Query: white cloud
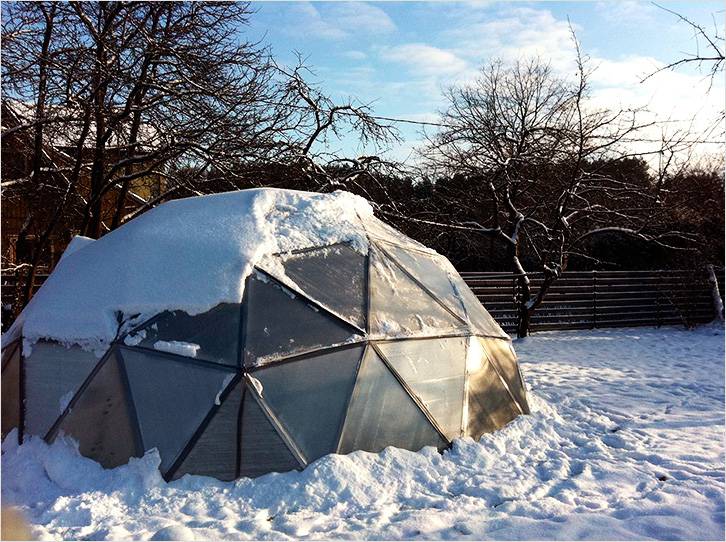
[
  {"x": 627, "y": 11},
  {"x": 354, "y": 55},
  {"x": 425, "y": 60},
  {"x": 337, "y": 21},
  {"x": 512, "y": 34}
]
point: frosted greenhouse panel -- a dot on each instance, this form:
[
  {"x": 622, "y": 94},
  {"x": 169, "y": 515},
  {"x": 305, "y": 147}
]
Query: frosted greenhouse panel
[
  {"x": 432, "y": 271},
  {"x": 101, "y": 420},
  {"x": 399, "y": 306},
  {"x": 53, "y": 374},
  {"x": 262, "y": 450},
  {"x": 501, "y": 353},
  {"x": 382, "y": 413},
  {"x": 489, "y": 404},
  {"x": 210, "y": 336},
  {"x": 215, "y": 452},
  {"x": 10, "y": 389},
  {"x": 434, "y": 369},
  {"x": 172, "y": 397},
  {"x": 335, "y": 277},
  {"x": 309, "y": 397},
  {"x": 377, "y": 229},
  {"x": 280, "y": 322},
  {"x": 479, "y": 317}
]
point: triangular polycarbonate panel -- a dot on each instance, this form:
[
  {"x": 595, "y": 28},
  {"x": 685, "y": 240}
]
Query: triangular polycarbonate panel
[
  {"x": 399, "y": 306},
  {"x": 432, "y": 271},
  {"x": 262, "y": 450},
  {"x": 10, "y": 389},
  {"x": 377, "y": 229},
  {"x": 489, "y": 405},
  {"x": 210, "y": 336},
  {"x": 215, "y": 451},
  {"x": 434, "y": 369},
  {"x": 280, "y": 322},
  {"x": 53, "y": 373},
  {"x": 172, "y": 397},
  {"x": 476, "y": 314},
  {"x": 500, "y": 352},
  {"x": 309, "y": 397},
  {"x": 101, "y": 419},
  {"x": 382, "y": 414},
  {"x": 334, "y": 276},
  {"x": 8, "y": 351}
]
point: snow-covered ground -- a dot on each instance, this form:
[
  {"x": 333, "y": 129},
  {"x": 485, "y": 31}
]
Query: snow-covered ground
[{"x": 626, "y": 441}]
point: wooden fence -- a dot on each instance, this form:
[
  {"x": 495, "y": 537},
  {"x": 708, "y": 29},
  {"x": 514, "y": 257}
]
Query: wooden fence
[
  {"x": 579, "y": 299},
  {"x": 589, "y": 299}
]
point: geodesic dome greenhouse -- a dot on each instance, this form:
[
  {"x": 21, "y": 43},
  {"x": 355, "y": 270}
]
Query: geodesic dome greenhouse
[{"x": 255, "y": 331}]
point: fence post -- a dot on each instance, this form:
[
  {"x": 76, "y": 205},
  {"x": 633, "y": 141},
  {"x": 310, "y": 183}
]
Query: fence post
[
  {"x": 658, "y": 288},
  {"x": 594, "y": 299},
  {"x": 715, "y": 294}
]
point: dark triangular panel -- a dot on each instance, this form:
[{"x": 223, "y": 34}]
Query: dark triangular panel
[
  {"x": 101, "y": 418},
  {"x": 172, "y": 397},
  {"x": 382, "y": 414},
  {"x": 7, "y": 352},
  {"x": 399, "y": 305},
  {"x": 52, "y": 374},
  {"x": 431, "y": 270},
  {"x": 279, "y": 322},
  {"x": 501, "y": 354},
  {"x": 10, "y": 389},
  {"x": 262, "y": 450},
  {"x": 309, "y": 397},
  {"x": 334, "y": 276},
  {"x": 434, "y": 369},
  {"x": 489, "y": 405},
  {"x": 210, "y": 336},
  {"x": 215, "y": 452}
]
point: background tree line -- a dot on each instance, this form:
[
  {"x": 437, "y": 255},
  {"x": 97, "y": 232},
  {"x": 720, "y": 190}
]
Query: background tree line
[{"x": 524, "y": 172}]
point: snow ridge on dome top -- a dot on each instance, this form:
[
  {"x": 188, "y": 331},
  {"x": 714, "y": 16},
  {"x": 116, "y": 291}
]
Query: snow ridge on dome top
[{"x": 189, "y": 254}]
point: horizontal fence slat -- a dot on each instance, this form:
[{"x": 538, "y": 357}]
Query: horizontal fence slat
[{"x": 587, "y": 299}]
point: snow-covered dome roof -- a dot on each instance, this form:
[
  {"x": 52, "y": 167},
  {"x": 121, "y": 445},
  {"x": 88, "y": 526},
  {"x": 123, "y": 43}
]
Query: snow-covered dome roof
[{"x": 190, "y": 254}]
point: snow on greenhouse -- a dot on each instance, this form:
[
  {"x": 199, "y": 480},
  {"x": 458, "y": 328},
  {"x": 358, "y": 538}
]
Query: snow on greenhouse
[{"x": 255, "y": 331}]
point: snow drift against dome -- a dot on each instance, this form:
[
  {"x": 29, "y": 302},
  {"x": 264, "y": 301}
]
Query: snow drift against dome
[{"x": 189, "y": 255}]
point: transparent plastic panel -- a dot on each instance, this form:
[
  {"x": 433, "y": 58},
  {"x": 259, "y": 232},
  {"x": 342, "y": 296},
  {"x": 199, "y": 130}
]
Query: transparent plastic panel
[
  {"x": 215, "y": 452},
  {"x": 53, "y": 374},
  {"x": 262, "y": 450},
  {"x": 210, "y": 336},
  {"x": 477, "y": 315},
  {"x": 399, "y": 307},
  {"x": 432, "y": 271},
  {"x": 434, "y": 370},
  {"x": 489, "y": 405},
  {"x": 309, "y": 397},
  {"x": 377, "y": 229},
  {"x": 10, "y": 389},
  {"x": 172, "y": 397},
  {"x": 334, "y": 276},
  {"x": 503, "y": 355},
  {"x": 382, "y": 414},
  {"x": 101, "y": 420},
  {"x": 8, "y": 351},
  {"x": 280, "y": 322}
]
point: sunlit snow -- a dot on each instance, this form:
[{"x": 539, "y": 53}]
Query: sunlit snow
[{"x": 626, "y": 441}]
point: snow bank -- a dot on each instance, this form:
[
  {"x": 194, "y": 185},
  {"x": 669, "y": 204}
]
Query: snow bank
[
  {"x": 625, "y": 442},
  {"x": 189, "y": 254}
]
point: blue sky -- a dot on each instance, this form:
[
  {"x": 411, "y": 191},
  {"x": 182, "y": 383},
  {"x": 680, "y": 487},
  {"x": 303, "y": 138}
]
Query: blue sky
[{"x": 399, "y": 55}]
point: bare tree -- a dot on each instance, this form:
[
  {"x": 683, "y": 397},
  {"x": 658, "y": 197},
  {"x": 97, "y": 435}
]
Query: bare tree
[
  {"x": 537, "y": 158},
  {"x": 144, "y": 101},
  {"x": 709, "y": 51}
]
